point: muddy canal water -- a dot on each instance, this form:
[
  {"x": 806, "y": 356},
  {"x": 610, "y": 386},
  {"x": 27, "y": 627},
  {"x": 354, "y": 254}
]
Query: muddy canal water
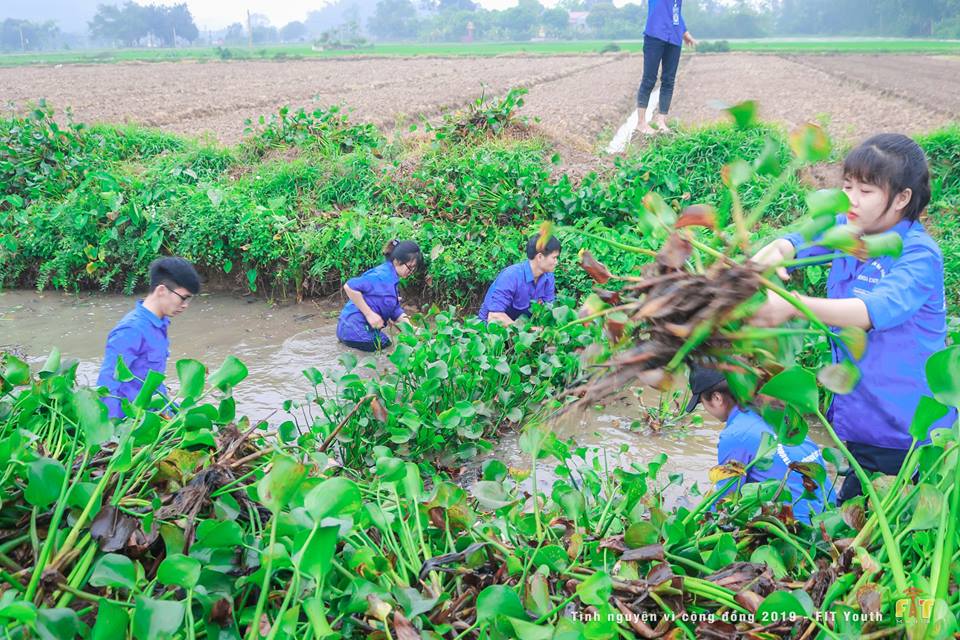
[{"x": 278, "y": 342}]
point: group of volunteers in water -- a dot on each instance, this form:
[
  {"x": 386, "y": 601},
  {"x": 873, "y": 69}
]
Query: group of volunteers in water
[{"x": 898, "y": 301}]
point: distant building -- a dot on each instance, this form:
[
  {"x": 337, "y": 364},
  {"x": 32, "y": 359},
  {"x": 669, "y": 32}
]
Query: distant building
[{"x": 578, "y": 20}]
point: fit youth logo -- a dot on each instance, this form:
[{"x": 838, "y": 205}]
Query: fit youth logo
[{"x": 913, "y": 609}]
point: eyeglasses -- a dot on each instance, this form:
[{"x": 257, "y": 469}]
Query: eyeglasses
[{"x": 184, "y": 299}]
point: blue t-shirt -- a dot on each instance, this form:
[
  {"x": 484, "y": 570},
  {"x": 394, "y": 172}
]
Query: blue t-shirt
[
  {"x": 905, "y": 299},
  {"x": 665, "y": 21},
  {"x": 739, "y": 442},
  {"x": 514, "y": 290},
  {"x": 141, "y": 339},
  {"x": 379, "y": 289}
]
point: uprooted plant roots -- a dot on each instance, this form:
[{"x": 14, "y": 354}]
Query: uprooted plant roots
[{"x": 668, "y": 309}]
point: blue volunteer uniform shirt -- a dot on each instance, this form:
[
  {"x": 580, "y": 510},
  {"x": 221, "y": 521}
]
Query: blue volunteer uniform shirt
[
  {"x": 740, "y": 440},
  {"x": 665, "y": 21},
  {"x": 141, "y": 339},
  {"x": 514, "y": 290},
  {"x": 379, "y": 289},
  {"x": 905, "y": 299}
]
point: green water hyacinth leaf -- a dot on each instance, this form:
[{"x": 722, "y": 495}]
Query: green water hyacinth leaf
[
  {"x": 491, "y": 495},
  {"x": 640, "y": 534},
  {"x": 928, "y": 411},
  {"x": 178, "y": 570},
  {"x": 530, "y": 631},
  {"x": 44, "y": 479},
  {"x": 882, "y": 244},
  {"x": 191, "y": 374},
  {"x": 809, "y": 143},
  {"x": 765, "y": 554},
  {"x": 930, "y": 503},
  {"x": 390, "y": 469},
  {"x": 156, "y": 619},
  {"x": 280, "y": 484},
  {"x": 92, "y": 415},
  {"x": 552, "y": 556},
  {"x": 768, "y": 162},
  {"x": 499, "y": 600},
  {"x": 150, "y": 385},
  {"x": 744, "y": 114},
  {"x": 814, "y": 226},
  {"x": 855, "y": 339},
  {"x": 58, "y": 624},
  {"x": 52, "y": 364},
  {"x": 783, "y": 605},
  {"x": 841, "y": 378},
  {"x": 336, "y": 497},
  {"x": 795, "y": 386},
  {"x": 15, "y": 372},
  {"x": 943, "y": 375},
  {"x": 596, "y": 589},
  {"x": 827, "y": 202},
  {"x": 229, "y": 375},
  {"x": 724, "y": 553},
  {"x": 121, "y": 371},
  {"x": 112, "y": 621},
  {"x": 114, "y": 570},
  {"x": 316, "y": 557}
]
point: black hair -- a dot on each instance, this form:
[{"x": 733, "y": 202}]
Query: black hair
[
  {"x": 722, "y": 388},
  {"x": 403, "y": 251},
  {"x": 552, "y": 245},
  {"x": 893, "y": 162},
  {"x": 173, "y": 272}
]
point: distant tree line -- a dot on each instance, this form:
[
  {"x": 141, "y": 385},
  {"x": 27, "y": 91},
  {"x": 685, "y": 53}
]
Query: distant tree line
[
  {"x": 447, "y": 20},
  {"x": 133, "y": 24}
]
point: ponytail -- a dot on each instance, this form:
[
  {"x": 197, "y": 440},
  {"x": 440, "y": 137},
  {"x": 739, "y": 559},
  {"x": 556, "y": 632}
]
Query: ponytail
[{"x": 403, "y": 251}]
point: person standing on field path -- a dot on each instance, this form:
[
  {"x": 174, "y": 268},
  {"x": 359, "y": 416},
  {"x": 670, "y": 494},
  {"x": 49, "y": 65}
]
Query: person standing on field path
[{"x": 663, "y": 39}]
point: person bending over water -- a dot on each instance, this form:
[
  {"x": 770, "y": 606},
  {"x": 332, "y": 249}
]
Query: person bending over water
[{"x": 374, "y": 298}]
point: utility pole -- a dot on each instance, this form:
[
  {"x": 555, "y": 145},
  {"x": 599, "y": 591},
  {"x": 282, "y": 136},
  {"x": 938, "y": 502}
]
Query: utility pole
[
  {"x": 174, "y": 36},
  {"x": 249, "y": 32},
  {"x": 23, "y": 44}
]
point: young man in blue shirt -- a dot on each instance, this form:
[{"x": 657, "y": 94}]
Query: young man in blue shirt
[
  {"x": 741, "y": 437},
  {"x": 523, "y": 283},
  {"x": 140, "y": 338}
]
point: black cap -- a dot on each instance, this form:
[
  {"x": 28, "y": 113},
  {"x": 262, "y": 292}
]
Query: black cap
[{"x": 702, "y": 379}]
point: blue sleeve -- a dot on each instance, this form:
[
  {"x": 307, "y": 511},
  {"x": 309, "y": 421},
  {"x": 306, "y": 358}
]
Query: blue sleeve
[
  {"x": 363, "y": 284},
  {"x": 901, "y": 293},
  {"x": 500, "y": 296},
  {"x": 397, "y": 312},
  {"x": 125, "y": 342}
]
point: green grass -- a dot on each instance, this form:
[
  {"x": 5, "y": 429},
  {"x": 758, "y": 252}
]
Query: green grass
[{"x": 565, "y": 47}]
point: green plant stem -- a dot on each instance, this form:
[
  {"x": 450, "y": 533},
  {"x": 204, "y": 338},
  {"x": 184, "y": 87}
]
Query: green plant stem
[
  {"x": 893, "y": 551},
  {"x": 253, "y": 632}
]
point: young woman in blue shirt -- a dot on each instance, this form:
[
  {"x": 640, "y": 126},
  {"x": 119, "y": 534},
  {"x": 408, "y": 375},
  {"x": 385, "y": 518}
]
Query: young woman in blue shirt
[
  {"x": 374, "y": 298},
  {"x": 663, "y": 38},
  {"x": 899, "y": 302}
]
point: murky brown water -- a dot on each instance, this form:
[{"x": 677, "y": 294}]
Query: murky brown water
[{"x": 278, "y": 342}]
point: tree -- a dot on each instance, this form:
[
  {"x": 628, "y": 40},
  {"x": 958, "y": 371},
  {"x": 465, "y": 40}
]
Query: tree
[
  {"x": 19, "y": 35},
  {"x": 235, "y": 34},
  {"x": 261, "y": 29},
  {"x": 394, "y": 19},
  {"x": 456, "y": 5},
  {"x": 293, "y": 31},
  {"x": 131, "y": 22},
  {"x": 555, "y": 21}
]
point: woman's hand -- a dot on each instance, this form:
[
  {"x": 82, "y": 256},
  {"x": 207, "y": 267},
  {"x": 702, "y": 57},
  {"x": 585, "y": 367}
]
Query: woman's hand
[
  {"x": 774, "y": 253},
  {"x": 689, "y": 39},
  {"x": 774, "y": 312},
  {"x": 374, "y": 319}
]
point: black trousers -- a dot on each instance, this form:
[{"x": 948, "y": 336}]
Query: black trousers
[
  {"x": 871, "y": 458},
  {"x": 658, "y": 54}
]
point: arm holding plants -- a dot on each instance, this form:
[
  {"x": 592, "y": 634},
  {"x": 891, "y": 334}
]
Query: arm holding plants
[
  {"x": 898, "y": 296},
  {"x": 500, "y": 318},
  {"x": 356, "y": 297}
]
